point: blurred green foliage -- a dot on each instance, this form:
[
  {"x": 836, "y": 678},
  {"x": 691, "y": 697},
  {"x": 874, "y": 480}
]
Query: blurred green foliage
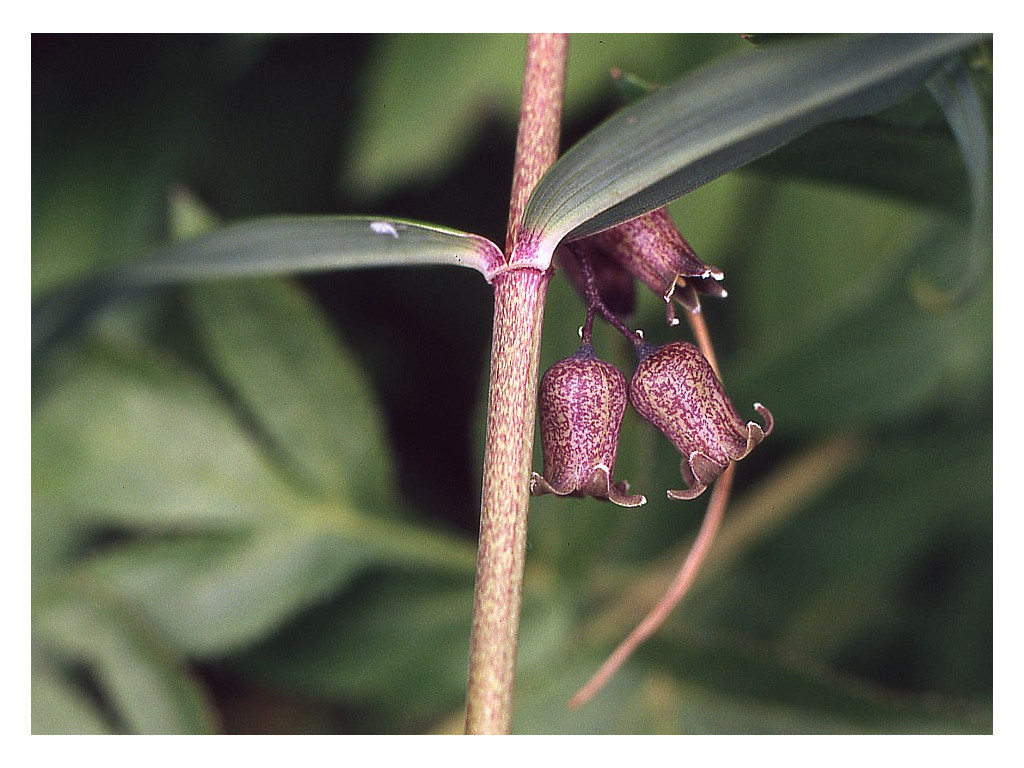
[{"x": 254, "y": 503}]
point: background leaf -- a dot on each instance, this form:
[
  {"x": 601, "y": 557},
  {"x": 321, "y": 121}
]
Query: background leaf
[
  {"x": 130, "y": 439},
  {"x": 138, "y": 685},
  {"x": 248, "y": 329}
]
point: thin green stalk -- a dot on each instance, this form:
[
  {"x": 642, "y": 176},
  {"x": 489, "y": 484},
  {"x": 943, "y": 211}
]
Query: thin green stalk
[{"x": 519, "y": 293}]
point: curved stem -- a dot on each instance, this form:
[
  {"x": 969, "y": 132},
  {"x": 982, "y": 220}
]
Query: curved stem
[
  {"x": 691, "y": 565},
  {"x": 519, "y": 293},
  {"x": 594, "y": 303},
  {"x": 676, "y": 591},
  {"x": 703, "y": 338}
]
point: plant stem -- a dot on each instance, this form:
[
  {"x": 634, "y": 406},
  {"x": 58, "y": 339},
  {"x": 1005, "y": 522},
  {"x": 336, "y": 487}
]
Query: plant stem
[
  {"x": 594, "y": 303},
  {"x": 515, "y": 351},
  {"x": 703, "y": 339},
  {"x": 540, "y": 120}
]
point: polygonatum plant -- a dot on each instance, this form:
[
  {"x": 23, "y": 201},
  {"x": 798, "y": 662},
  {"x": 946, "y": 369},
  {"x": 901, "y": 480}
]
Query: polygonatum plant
[{"x": 595, "y": 206}]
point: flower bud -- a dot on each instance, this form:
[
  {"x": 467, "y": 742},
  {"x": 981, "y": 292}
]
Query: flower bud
[
  {"x": 653, "y": 250},
  {"x": 582, "y": 400},
  {"x": 676, "y": 389}
]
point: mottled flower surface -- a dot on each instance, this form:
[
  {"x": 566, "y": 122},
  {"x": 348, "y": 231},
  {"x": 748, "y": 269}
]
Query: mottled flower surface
[
  {"x": 581, "y": 403},
  {"x": 676, "y": 389},
  {"x": 651, "y": 248}
]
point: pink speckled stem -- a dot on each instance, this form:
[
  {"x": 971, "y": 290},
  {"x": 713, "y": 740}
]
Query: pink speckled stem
[
  {"x": 540, "y": 120},
  {"x": 515, "y": 351}
]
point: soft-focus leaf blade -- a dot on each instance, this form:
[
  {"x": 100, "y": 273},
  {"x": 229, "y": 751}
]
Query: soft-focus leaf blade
[
  {"x": 871, "y": 356},
  {"x": 398, "y": 641},
  {"x": 147, "y": 688},
  {"x": 212, "y": 594},
  {"x": 921, "y": 165},
  {"x": 692, "y": 131},
  {"x": 704, "y": 684},
  {"x": 129, "y": 439},
  {"x": 276, "y": 353},
  {"x": 893, "y": 562},
  {"x": 58, "y": 707},
  {"x": 955, "y": 91},
  {"x": 208, "y": 595}
]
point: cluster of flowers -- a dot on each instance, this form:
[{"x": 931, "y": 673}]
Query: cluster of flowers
[{"x": 674, "y": 387}]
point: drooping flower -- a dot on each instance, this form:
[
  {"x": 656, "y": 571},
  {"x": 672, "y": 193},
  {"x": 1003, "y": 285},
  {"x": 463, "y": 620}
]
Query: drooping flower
[
  {"x": 676, "y": 389},
  {"x": 651, "y": 248},
  {"x": 581, "y": 403}
]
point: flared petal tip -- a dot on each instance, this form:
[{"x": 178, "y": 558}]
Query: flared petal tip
[
  {"x": 687, "y": 495},
  {"x": 769, "y": 421},
  {"x": 541, "y": 487},
  {"x": 699, "y": 471},
  {"x": 755, "y": 434},
  {"x": 689, "y": 289},
  {"x": 598, "y": 486},
  {"x": 619, "y": 494}
]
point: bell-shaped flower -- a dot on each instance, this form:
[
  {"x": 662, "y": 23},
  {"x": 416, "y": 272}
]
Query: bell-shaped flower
[
  {"x": 581, "y": 403},
  {"x": 651, "y": 248},
  {"x": 676, "y": 389}
]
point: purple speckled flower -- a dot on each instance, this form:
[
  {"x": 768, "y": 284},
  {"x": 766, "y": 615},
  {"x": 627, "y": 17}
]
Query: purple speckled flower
[
  {"x": 651, "y": 248},
  {"x": 676, "y": 389},
  {"x": 582, "y": 400}
]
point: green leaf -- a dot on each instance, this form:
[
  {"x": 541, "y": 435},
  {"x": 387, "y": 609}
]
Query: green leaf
[
  {"x": 262, "y": 247},
  {"x": 956, "y": 93},
  {"x": 420, "y": 105},
  {"x": 893, "y": 562},
  {"x": 716, "y": 120},
  {"x": 276, "y": 353},
  {"x": 59, "y": 707},
  {"x": 143, "y": 687},
  {"x": 905, "y": 150},
  {"x": 920, "y": 165},
  {"x": 397, "y": 640},
  {"x": 97, "y": 196},
  {"x": 128, "y": 438},
  {"x": 293, "y": 245},
  {"x": 719, "y": 686},
  {"x": 212, "y": 594},
  {"x": 860, "y": 352}
]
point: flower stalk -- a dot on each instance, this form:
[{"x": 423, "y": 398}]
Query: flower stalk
[{"x": 519, "y": 293}]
